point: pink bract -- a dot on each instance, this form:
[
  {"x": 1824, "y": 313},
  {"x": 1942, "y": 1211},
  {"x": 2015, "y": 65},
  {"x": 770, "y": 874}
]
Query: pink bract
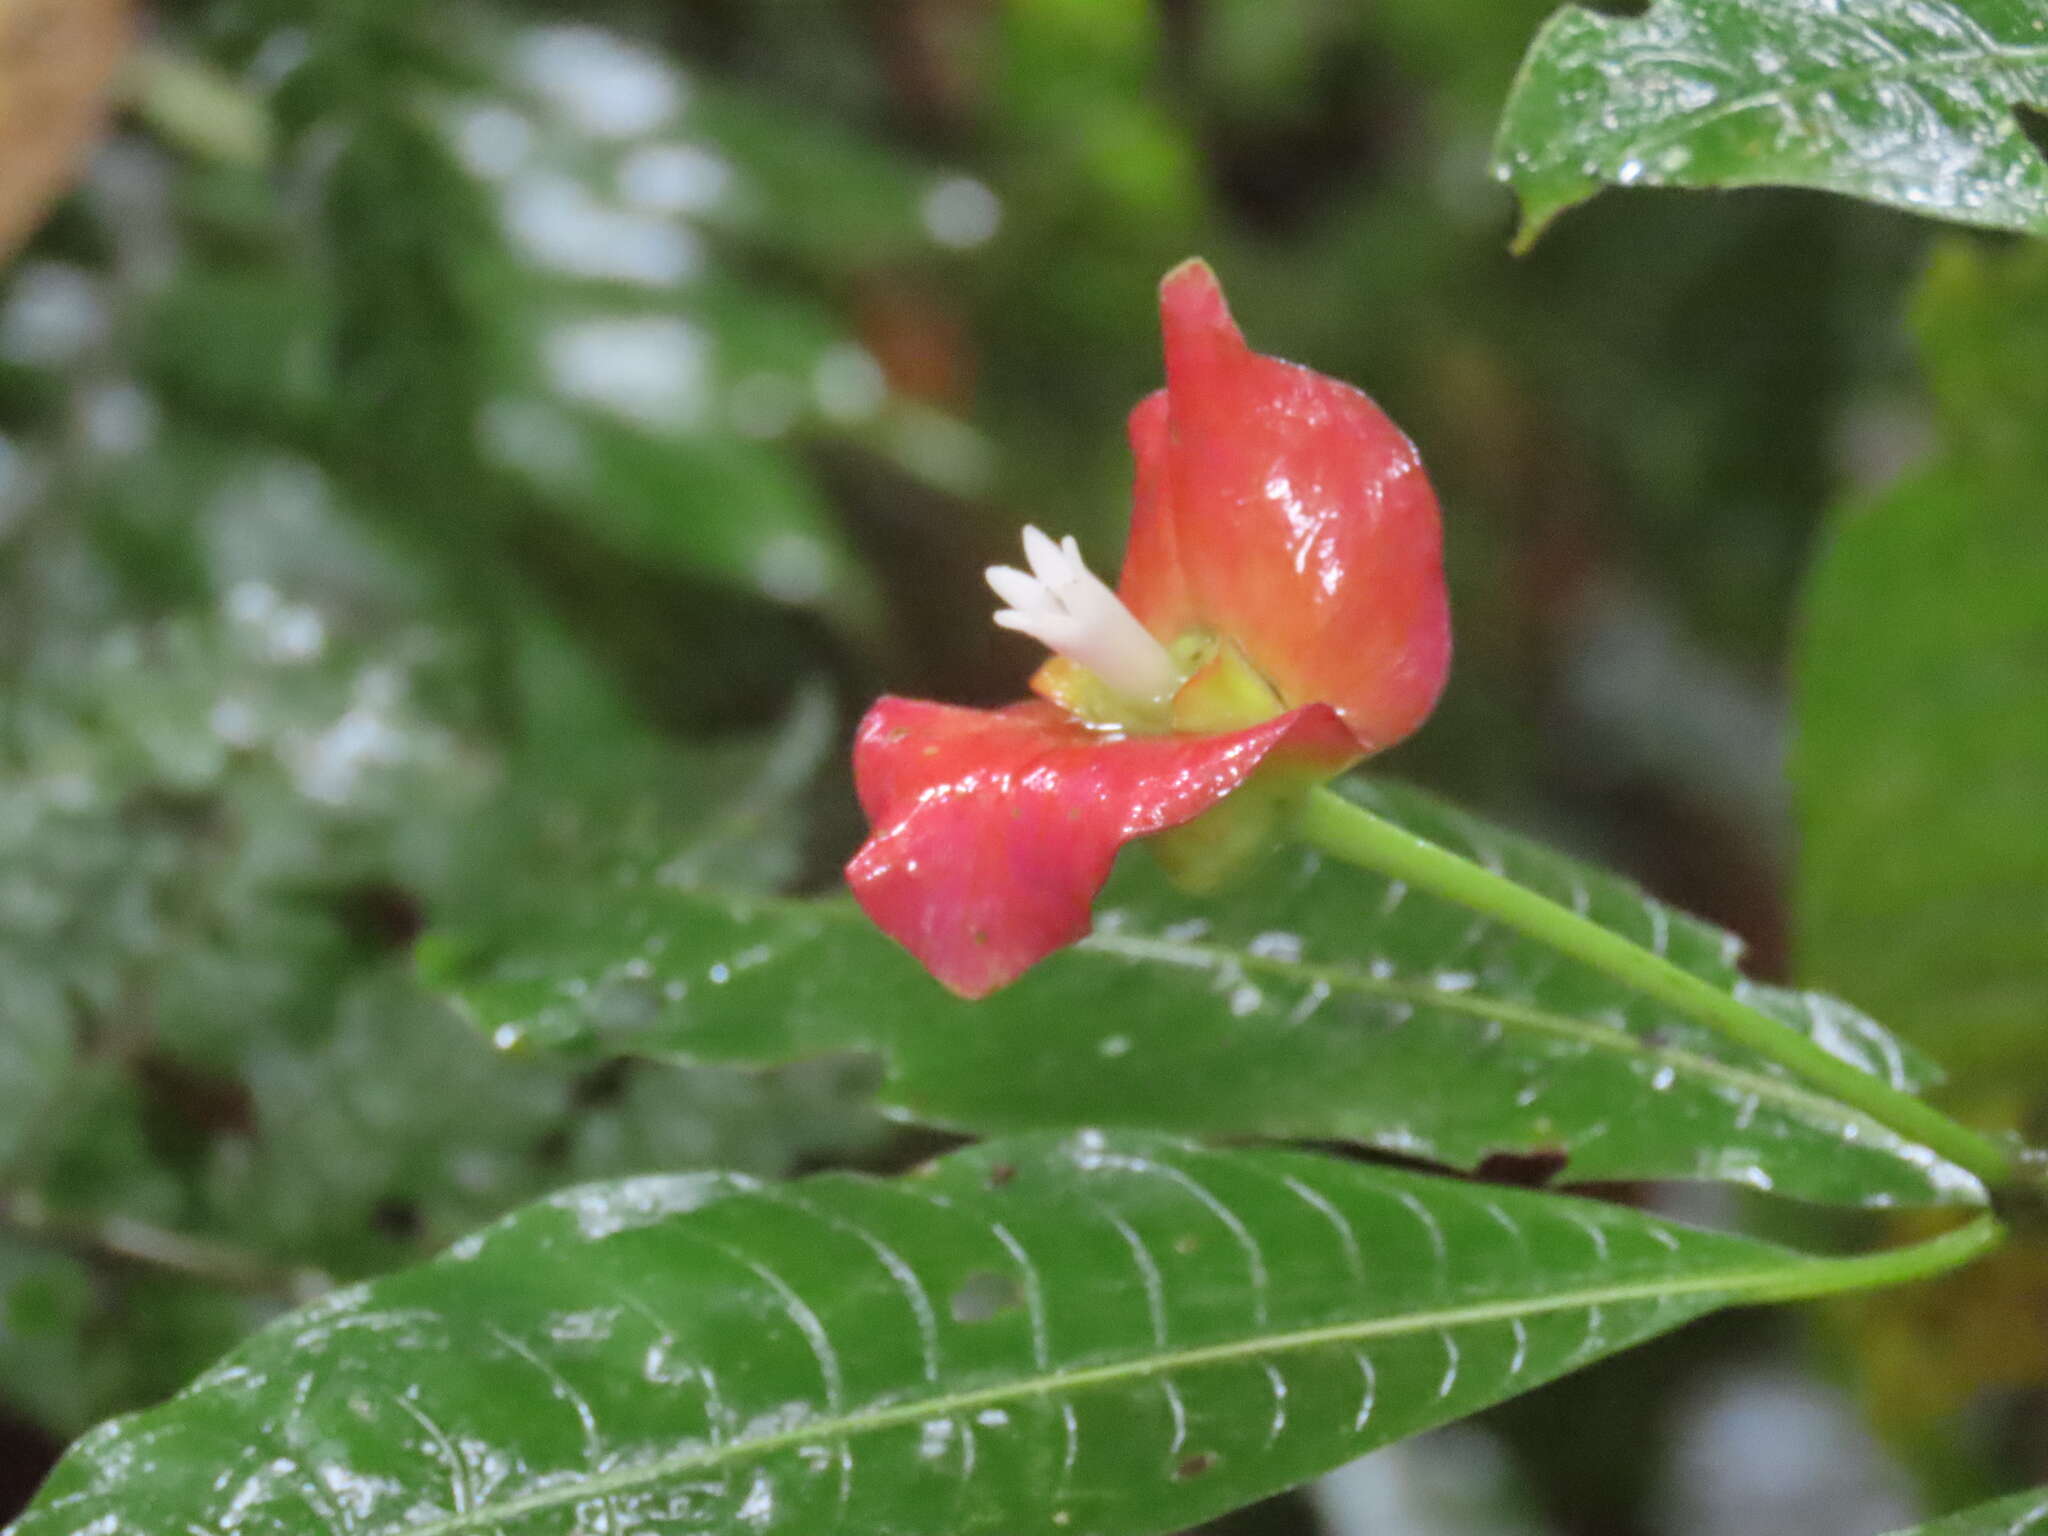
[{"x": 1275, "y": 510}]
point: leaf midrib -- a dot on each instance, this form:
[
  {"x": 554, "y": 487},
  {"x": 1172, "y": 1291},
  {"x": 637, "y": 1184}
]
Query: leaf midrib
[
  {"x": 847, "y": 1426},
  {"x": 1795, "y": 1096},
  {"x": 1511, "y": 1014}
]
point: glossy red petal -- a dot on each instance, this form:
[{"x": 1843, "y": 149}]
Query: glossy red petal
[
  {"x": 1151, "y": 585},
  {"x": 994, "y": 829},
  {"x": 1303, "y": 524}
]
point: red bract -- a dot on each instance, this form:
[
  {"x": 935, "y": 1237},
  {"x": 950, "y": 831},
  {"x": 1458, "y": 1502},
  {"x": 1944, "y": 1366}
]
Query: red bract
[{"x": 1285, "y": 555}]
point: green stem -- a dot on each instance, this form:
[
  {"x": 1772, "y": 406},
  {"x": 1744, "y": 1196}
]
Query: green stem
[
  {"x": 1351, "y": 833},
  {"x": 122, "y": 1239},
  {"x": 196, "y": 107},
  {"x": 1893, "y": 1266}
]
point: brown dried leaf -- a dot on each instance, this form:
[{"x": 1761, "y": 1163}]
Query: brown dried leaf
[{"x": 58, "y": 61}]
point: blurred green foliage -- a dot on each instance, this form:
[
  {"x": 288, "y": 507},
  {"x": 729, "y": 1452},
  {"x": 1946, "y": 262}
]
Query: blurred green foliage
[
  {"x": 1923, "y": 753},
  {"x": 1921, "y": 770}
]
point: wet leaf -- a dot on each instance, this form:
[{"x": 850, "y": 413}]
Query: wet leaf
[
  {"x": 228, "y": 793},
  {"x": 57, "y": 64},
  {"x": 2024, "y": 1514},
  {"x": 1904, "y": 102},
  {"x": 1114, "y": 1334},
  {"x": 1308, "y": 1002}
]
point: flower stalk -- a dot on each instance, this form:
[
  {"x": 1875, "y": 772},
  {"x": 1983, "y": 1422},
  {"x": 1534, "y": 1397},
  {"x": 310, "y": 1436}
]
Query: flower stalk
[{"x": 1349, "y": 832}]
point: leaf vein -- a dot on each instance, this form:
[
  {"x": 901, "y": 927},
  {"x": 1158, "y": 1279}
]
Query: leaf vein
[{"x": 846, "y": 1425}]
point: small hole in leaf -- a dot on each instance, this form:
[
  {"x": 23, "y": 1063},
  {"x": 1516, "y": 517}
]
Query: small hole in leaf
[
  {"x": 1194, "y": 1466},
  {"x": 983, "y": 1295}
]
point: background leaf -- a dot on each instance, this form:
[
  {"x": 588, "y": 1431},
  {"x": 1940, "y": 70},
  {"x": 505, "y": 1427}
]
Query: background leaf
[
  {"x": 1904, "y": 102},
  {"x": 1921, "y": 768},
  {"x": 1119, "y": 1334},
  {"x": 1922, "y": 758},
  {"x": 1313, "y": 1001}
]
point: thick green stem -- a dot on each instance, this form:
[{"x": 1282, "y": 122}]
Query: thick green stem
[{"x": 1353, "y": 834}]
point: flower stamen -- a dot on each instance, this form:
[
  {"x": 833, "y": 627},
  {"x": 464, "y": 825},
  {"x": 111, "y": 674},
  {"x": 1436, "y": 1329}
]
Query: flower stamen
[{"x": 1065, "y": 607}]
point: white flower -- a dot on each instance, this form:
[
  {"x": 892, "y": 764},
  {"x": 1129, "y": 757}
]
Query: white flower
[{"x": 1064, "y": 605}]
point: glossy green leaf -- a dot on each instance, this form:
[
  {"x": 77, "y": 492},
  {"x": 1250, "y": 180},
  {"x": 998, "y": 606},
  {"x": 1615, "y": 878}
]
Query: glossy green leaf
[
  {"x": 1922, "y": 759},
  {"x": 1904, "y": 102},
  {"x": 1312, "y": 1001},
  {"x": 2024, "y": 1514},
  {"x": 1113, "y": 1334}
]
